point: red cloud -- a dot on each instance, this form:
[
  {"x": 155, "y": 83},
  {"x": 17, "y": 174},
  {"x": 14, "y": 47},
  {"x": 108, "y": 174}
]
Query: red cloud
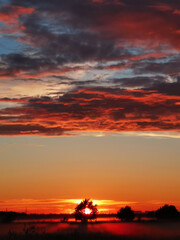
[
  {"x": 135, "y": 25},
  {"x": 9, "y": 14},
  {"x": 101, "y": 109}
]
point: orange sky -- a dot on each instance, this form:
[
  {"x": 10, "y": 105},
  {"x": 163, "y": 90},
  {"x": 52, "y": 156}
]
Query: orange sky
[{"x": 44, "y": 174}]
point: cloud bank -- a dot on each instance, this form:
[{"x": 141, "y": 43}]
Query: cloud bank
[{"x": 89, "y": 65}]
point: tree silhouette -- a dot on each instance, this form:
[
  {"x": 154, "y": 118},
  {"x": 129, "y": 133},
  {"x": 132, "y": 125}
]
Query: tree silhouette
[
  {"x": 85, "y": 211},
  {"x": 167, "y": 212},
  {"x": 125, "y": 214}
]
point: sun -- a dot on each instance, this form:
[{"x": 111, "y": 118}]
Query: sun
[{"x": 87, "y": 211}]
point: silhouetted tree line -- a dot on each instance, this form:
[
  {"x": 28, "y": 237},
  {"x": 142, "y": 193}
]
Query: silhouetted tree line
[
  {"x": 8, "y": 217},
  {"x": 125, "y": 214},
  {"x": 167, "y": 212},
  {"x": 86, "y": 210}
]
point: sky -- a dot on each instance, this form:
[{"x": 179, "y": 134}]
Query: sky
[{"x": 89, "y": 104}]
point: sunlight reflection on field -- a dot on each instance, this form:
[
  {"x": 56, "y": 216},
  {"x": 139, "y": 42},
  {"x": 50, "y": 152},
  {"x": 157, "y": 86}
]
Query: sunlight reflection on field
[
  {"x": 139, "y": 229},
  {"x": 154, "y": 229}
]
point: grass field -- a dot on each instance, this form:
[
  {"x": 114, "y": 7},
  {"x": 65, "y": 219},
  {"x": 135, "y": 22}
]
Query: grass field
[{"x": 75, "y": 231}]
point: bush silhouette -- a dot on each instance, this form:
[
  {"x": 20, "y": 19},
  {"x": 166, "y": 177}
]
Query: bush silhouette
[
  {"x": 8, "y": 217},
  {"x": 85, "y": 211},
  {"x": 125, "y": 214},
  {"x": 167, "y": 212}
]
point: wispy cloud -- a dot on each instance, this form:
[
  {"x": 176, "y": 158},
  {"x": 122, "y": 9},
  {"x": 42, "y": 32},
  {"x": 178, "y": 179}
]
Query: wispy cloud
[
  {"x": 58, "y": 205},
  {"x": 160, "y": 135}
]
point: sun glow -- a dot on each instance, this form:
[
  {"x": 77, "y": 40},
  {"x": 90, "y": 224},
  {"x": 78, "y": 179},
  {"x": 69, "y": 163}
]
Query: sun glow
[{"x": 87, "y": 211}]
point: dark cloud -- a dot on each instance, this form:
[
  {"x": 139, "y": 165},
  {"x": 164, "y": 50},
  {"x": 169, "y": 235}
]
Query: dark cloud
[
  {"x": 77, "y": 31},
  {"x": 15, "y": 64},
  {"x": 28, "y": 129},
  {"x": 168, "y": 88},
  {"x": 67, "y": 46},
  {"x": 169, "y": 67},
  {"x": 138, "y": 82},
  {"x": 117, "y": 19},
  {"x": 27, "y": 66},
  {"x": 25, "y": 62}
]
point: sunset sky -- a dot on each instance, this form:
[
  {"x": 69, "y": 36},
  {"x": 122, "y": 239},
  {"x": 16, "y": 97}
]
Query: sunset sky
[{"x": 89, "y": 104}]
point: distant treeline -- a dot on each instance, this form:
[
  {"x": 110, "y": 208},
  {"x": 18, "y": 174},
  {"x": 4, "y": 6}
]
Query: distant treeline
[
  {"x": 125, "y": 214},
  {"x": 6, "y": 217}
]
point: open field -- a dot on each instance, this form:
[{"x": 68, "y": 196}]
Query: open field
[{"x": 135, "y": 230}]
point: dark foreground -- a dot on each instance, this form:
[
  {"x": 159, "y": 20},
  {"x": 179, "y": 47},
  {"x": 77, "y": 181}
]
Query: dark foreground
[
  {"x": 94, "y": 231},
  {"x": 80, "y": 236}
]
